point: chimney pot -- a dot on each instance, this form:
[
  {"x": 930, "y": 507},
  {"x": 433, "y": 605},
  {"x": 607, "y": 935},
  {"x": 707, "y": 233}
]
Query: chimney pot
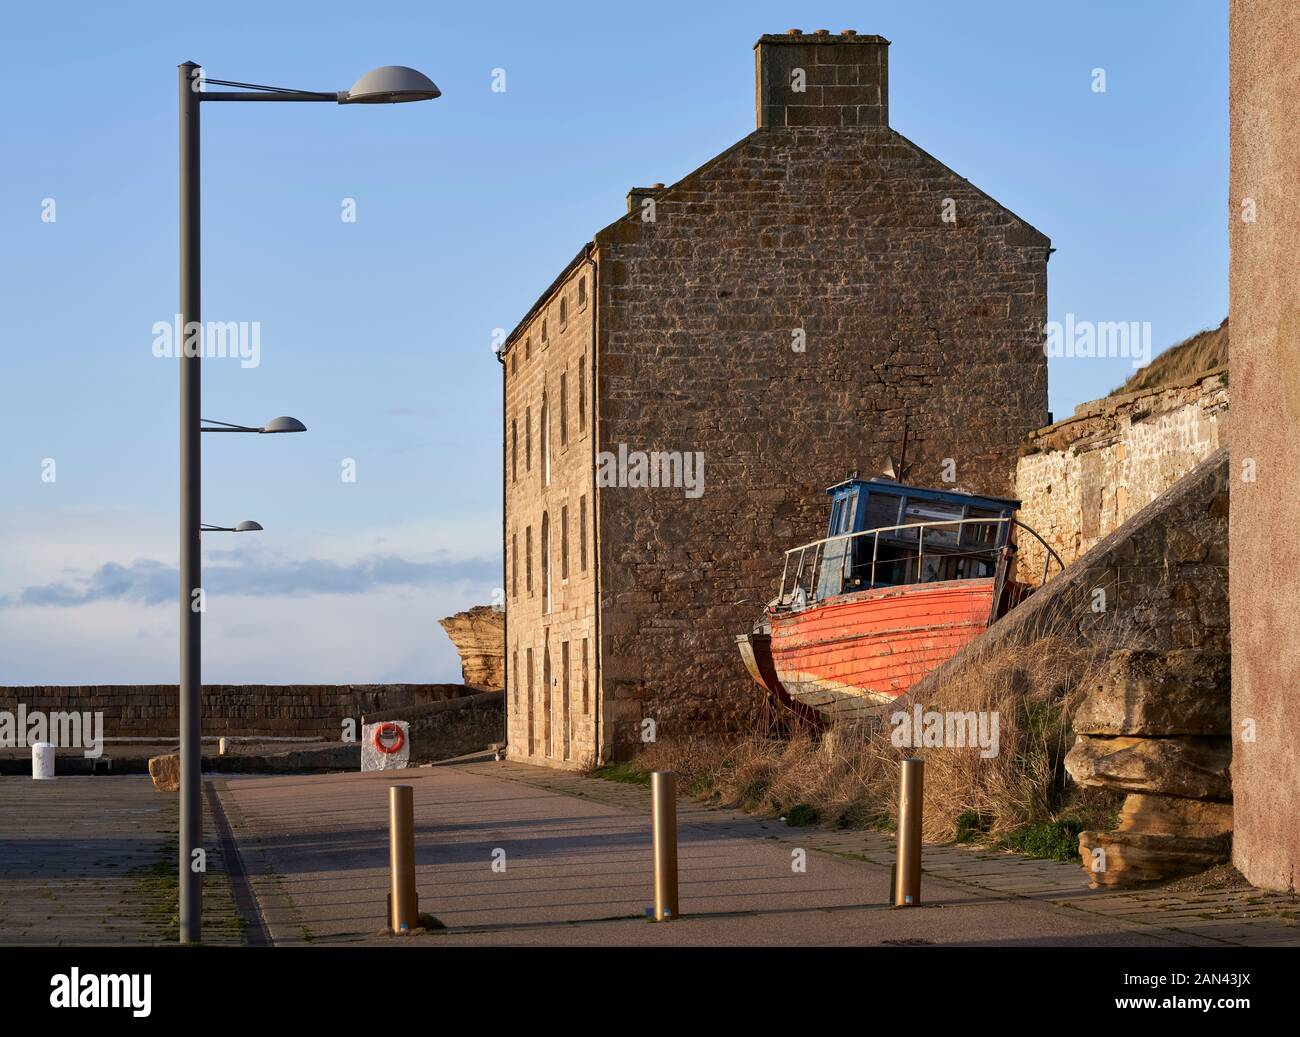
[
  {"x": 794, "y": 32},
  {"x": 822, "y": 32},
  {"x": 850, "y": 32}
]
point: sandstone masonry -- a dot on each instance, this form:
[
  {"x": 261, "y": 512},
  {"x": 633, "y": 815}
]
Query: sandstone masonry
[
  {"x": 776, "y": 315},
  {"x": 1080, "y": 479},
  {"x": 279, "y": 710}
]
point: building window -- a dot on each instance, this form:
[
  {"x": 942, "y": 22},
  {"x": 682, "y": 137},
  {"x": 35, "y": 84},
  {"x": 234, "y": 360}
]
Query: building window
[
  {"x": 532, "y": 741},
  {"x": 544, "y": 444},
  {"x": 582, "y": 292},
  {"x": 582, "y": 395},
  {"x": 564, "y": 698},
  {"x": 564, "y": 542},
  {"x": 514, "y": 673},
  {"x": 564, "y": 408},
  {"x": 546, "y": 698},
  {"x": 514, "y": 450},
  {"x": 564, "y": 312},
  {"x": 582, "y": 532},
  {"x": 546, "y": 334},
  {"x": 514, "y": 565},
  {"x": 528, "y": 560},
  {"x": 546, "y": 563},
  {"x": 586, "y": 708},
  {"x": 514, "y": 363},
  {"x": 528, "y": 439},
  {"x": 528, "y": 348}
]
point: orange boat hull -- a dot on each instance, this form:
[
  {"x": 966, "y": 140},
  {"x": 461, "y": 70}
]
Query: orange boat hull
[{"x": 850, "y": 654}]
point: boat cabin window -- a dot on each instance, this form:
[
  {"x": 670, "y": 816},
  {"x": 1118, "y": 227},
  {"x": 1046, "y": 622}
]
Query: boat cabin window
[{"x": 894, "y": 556}]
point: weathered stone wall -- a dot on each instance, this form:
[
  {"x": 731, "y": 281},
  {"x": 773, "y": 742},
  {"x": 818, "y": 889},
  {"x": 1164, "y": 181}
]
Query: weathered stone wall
[
  {"x": 479, "y": 637},
  {"x": 1153, "y": 596},
  {"x": 456, "y": 727},
  {"x": 551, "y": 706},
  {"x": 783, "y": 311},
  {"x": 1080, "y": 479},
  {"x": 1264, "y": 215},
  {"x": 297, "y": 710},
  {"x": 828, "y": 239}
]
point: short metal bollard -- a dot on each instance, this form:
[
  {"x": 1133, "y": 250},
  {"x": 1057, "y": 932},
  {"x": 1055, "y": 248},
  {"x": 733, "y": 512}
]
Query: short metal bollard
[
  {"x": 404, "y": 906},
  {"x": 907, "y": 871},
  {"x": 663, "y": 809}
]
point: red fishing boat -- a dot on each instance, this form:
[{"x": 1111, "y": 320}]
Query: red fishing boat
[{"x": 904, "y": 577}]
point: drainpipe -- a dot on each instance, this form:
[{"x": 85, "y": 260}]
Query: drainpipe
[
  {"x": 595, "y": 505},
  {"x": 505, "y": 540}
]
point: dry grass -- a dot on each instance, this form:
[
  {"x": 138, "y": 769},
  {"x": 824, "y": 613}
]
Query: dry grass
[
  {"x": 848, "y": 775},
  {"x": 1197, "y": 355}
]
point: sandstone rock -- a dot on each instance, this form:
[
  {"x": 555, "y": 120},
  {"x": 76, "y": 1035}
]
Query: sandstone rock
[
  {"x": 479, "y": 637},
  {"x": 1181, "y": 692},
  {"x": 1195, "y": 768},
  {"x": 1129, "y": 858},
  {"x": 165, "y": 772},
  {"x": 1172, "y": 815}
]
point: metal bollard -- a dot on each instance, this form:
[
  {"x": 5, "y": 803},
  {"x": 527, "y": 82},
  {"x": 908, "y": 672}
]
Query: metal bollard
[
  {"x": 663, "y": 808},
  {"x": 403, "y": 904},
  {"x": 907, "y": 875}
]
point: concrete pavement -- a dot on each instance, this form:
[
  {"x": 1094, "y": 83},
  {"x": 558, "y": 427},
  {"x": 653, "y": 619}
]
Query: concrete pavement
[
  {"x": 92, "y": 860},
  {"x": 572, "y": 858}
]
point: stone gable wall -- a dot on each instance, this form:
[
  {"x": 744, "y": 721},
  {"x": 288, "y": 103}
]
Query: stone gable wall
[{"x": 791, "y": 305}]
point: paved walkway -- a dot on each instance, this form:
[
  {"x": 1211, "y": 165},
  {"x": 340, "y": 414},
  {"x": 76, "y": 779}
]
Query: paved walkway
[
  {"x": 92, "y": 860},
  {"x": 577, "y": 871}
]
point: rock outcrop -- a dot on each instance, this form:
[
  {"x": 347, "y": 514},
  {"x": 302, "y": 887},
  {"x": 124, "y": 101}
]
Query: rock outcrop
[
  {"x": 480, "y": 639},
  {"x": 165, "y": 772},
  {"x": 1156, "y": 726}
]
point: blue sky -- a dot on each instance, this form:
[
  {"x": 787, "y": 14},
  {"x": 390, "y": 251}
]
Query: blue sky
[{"x": 378, "y": 333}]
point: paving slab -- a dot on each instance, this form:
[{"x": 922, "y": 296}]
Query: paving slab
[
  {"x": 573, "y": 868},
  {"x": 91, "y": 861}
]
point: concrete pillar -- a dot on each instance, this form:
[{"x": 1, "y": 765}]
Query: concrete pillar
[{"x": 1264, "y": 214}]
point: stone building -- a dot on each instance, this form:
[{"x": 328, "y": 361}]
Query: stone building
[{"x": 679, "y": 398}]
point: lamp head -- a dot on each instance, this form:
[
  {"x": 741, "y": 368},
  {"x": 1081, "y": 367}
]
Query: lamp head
[
  {"x": 283, "y": 424},
  {"x": 391, "y": 84}
]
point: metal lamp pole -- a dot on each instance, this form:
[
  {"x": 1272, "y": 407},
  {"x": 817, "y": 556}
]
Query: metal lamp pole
[
  {"x": 191, "y": 820},
  {"x": 388, "y": 85}
]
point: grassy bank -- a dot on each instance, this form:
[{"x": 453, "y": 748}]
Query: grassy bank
[{"x": 847, "y": 776}]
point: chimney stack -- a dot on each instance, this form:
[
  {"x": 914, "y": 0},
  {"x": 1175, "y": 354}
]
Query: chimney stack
[
  {"x": 637, "y": 195},
  {"x": 820, "y": 79}
]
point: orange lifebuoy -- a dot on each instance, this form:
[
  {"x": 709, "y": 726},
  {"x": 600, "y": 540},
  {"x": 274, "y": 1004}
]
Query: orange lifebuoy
[{"x": 391, "y": 730}]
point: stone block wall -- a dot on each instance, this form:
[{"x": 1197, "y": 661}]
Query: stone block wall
[
  {"x": 1079, "y": 479},
  {"x": 550, "y": 489},
  {"x": 1153, "y": 726},
  {"x": 290, "y": 710},
  {"x": 793, "y": 303}
]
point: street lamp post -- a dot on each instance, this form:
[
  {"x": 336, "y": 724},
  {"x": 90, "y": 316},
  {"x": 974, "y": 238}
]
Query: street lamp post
[{"x": 388, "y": 85}]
